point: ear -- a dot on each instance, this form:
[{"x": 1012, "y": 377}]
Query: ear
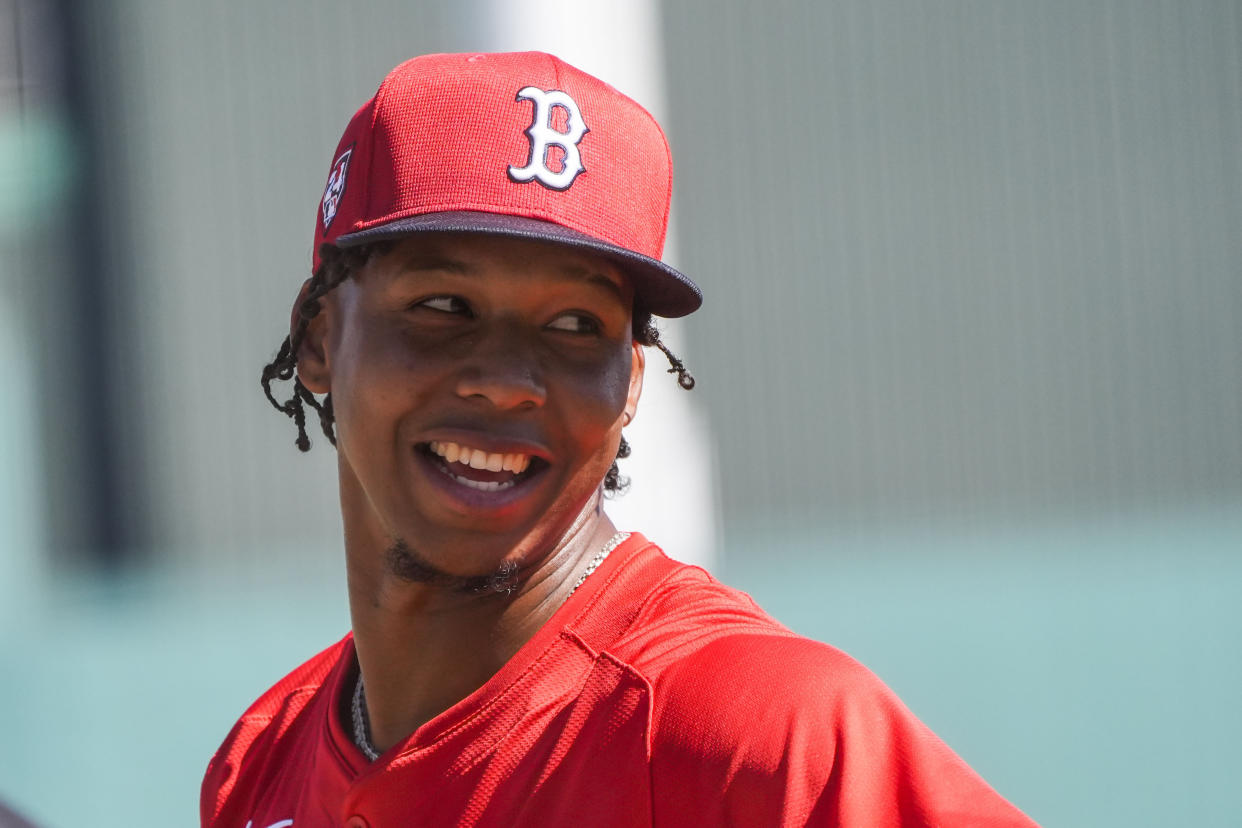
[
  {"x": 637, "y": 364},
  {"x": 312, "y": 359}
]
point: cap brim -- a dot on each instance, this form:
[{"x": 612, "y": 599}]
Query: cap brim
[{"x": 658, "y": 288}]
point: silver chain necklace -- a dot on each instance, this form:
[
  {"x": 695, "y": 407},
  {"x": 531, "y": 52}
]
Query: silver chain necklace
[{"x": 358, "y": 709}]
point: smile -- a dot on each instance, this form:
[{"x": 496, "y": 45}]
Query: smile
[{"x": 481, "y": 470}]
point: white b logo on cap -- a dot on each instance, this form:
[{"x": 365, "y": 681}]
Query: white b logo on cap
[{"x": 543, "y": 136}]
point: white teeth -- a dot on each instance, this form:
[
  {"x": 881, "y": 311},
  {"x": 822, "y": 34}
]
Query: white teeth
[
  {"x": 493, "y": 486},
  {"x": 478, "y": 459}
]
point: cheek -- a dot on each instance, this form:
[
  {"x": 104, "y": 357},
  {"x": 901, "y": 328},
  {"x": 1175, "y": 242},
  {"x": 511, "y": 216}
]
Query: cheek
[
  {"x": 599, "y": 396},
  {"x": 376, "y": 378}
]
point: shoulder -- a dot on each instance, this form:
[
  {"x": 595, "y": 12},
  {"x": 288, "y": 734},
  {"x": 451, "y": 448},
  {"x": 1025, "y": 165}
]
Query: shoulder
[
  {"x": 691, "y": 624},
  {"x": 781, "y": 706},
  {"x": 774, "y": 728},
  {"x": 715, "y": 660},
  {"x": 723, "y": 669},
  {"x": 253, "y": 738}
]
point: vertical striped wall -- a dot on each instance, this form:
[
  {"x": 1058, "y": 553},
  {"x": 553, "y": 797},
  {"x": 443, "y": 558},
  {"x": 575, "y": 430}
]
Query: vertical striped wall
[
  {"x": 220, "y": 120},
  {"x": 960, "y": 258},
  {"x": 963, "y": 257}
]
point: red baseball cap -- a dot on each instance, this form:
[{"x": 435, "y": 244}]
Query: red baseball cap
[{"x": 517, "y": 144}]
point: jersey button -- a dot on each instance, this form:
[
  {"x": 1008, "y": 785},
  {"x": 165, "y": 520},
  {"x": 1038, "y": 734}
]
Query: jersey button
[{"x": 356, "y": 822}]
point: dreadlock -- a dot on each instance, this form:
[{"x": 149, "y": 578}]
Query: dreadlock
[
  {"x": 645, "y": 333},
  {"x": 335, "y": 267},
  {"x": 338, "y": 264}
]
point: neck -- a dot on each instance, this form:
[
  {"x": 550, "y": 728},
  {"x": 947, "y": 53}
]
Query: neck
[{"x": 424, "y": 646}]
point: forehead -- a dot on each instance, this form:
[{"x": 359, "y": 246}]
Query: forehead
[{"x": 493, "y": 258}]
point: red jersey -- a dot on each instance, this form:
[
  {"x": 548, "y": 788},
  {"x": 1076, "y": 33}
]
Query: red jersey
[{"x": 655, "y": 696}]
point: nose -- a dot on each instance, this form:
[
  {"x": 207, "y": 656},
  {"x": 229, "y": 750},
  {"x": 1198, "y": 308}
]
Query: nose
[{"x": 502, "y": 368}]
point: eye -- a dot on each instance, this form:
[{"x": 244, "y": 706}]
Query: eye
[
  {"x": 443, "y": 304},
  {"x": 577, "y": 323}
]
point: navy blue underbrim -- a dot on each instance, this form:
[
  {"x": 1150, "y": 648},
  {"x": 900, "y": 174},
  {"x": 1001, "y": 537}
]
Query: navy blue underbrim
[{"x": 658, "y": 288}]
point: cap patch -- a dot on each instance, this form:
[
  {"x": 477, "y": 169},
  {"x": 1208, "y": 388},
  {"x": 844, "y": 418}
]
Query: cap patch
[
  {"x": 545, "y": 137},
  {"x": 336, "y": 186}
]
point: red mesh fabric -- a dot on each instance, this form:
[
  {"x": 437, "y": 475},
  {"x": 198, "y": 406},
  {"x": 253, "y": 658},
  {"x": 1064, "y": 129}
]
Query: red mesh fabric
[{"x": 443, "y": 130}]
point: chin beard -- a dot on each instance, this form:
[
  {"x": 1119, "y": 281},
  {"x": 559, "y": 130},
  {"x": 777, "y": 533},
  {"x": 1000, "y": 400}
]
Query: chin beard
[{"x": 409, "y": 565}]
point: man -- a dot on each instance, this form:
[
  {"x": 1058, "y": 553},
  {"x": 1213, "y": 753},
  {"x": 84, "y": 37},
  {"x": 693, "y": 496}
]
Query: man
[{"x": 486, "y": 268}]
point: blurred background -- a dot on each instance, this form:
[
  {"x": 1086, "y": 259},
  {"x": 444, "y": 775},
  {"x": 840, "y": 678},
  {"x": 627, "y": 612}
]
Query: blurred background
[{"x": 969, "y": 401}]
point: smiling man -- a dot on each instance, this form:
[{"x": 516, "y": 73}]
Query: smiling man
[{"x": 487, "y": 265}]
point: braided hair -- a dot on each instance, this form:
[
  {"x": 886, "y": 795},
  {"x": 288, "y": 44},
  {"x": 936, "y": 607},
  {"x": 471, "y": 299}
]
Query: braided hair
[{"x": 337, "y": 265}]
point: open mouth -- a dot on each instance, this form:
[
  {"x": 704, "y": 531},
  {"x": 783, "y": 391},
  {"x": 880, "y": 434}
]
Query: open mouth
[{"x": 482, "y": 470}]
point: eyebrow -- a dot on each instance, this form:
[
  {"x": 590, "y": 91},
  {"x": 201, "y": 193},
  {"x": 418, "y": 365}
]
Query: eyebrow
[
  {"x": 421, "y": 261},
  {"x": 596, "y": 278}
]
